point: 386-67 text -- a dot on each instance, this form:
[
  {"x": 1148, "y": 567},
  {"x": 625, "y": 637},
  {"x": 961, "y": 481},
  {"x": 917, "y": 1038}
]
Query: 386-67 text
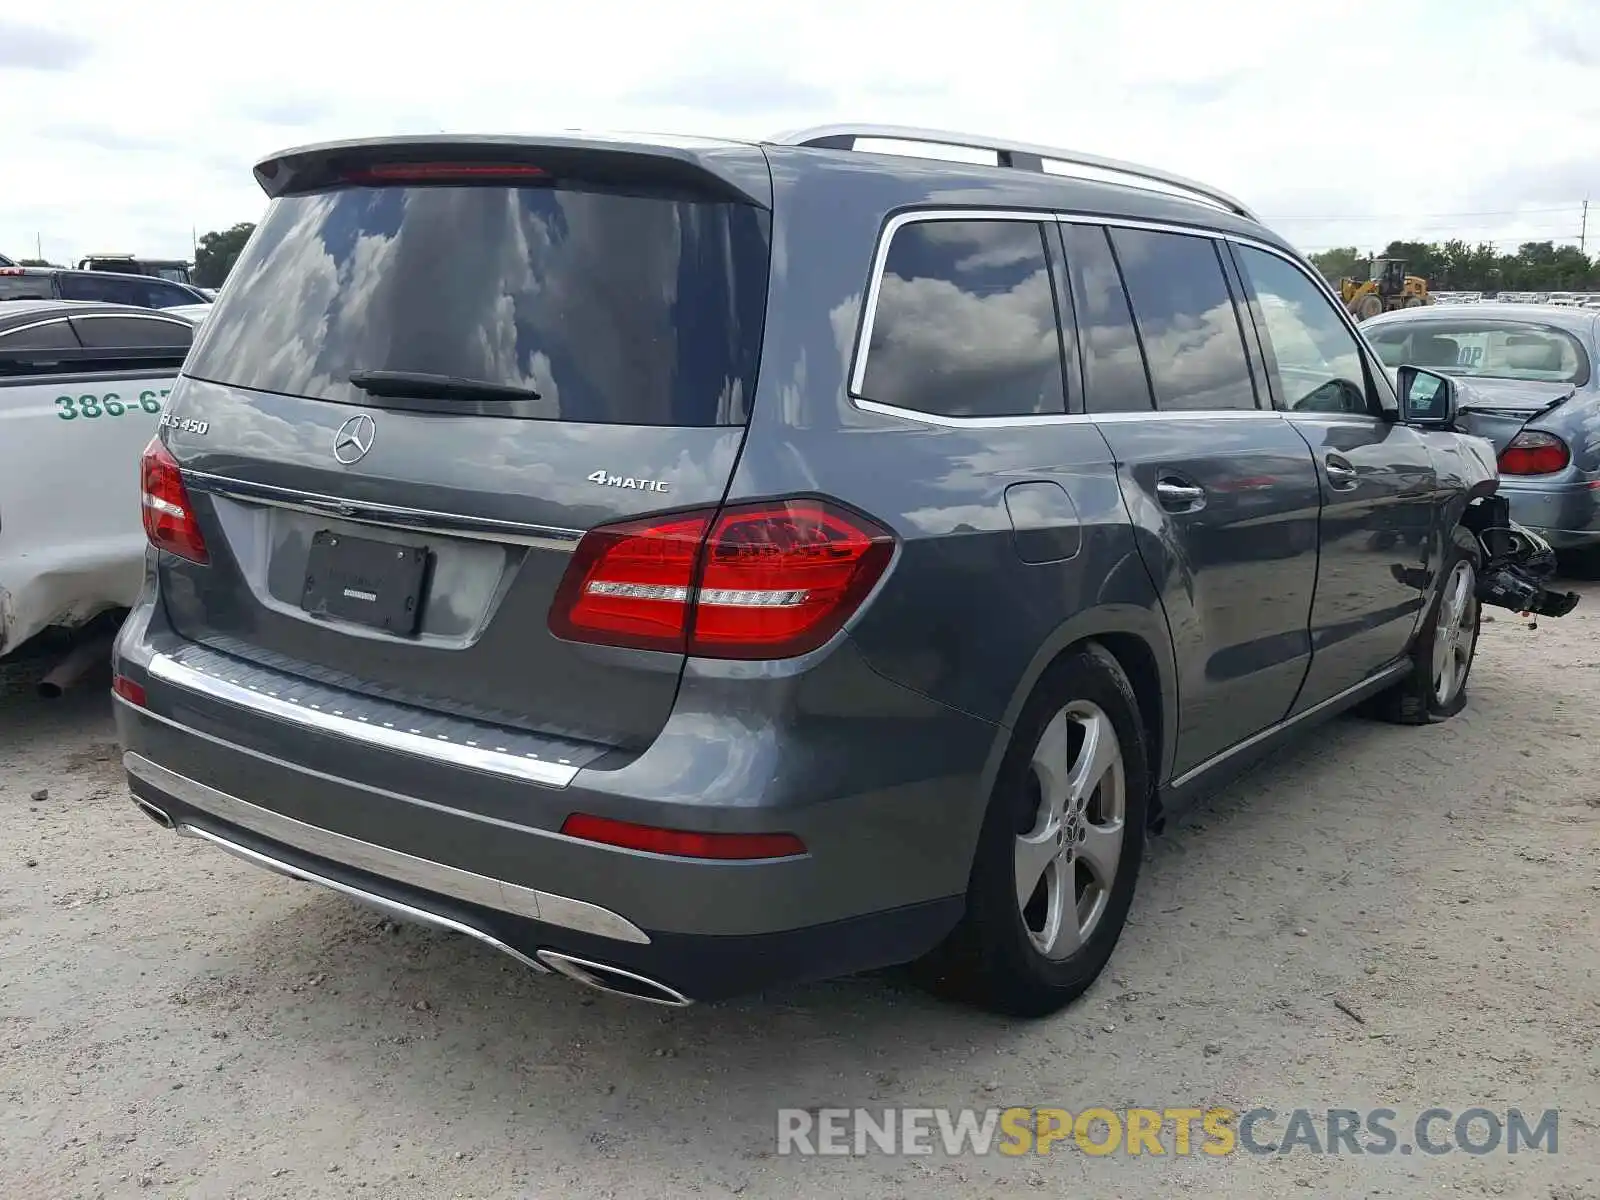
[{"x": 108, "y": 404}]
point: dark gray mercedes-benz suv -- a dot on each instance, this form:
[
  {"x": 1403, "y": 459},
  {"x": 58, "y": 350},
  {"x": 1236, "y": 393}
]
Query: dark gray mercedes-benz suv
[{"x": 692, "y": 565}]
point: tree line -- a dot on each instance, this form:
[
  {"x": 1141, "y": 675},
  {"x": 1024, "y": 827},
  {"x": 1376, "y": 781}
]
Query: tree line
[
  {"x": 1452, "y": 266},
  {"x": 1455, "y": 266}
]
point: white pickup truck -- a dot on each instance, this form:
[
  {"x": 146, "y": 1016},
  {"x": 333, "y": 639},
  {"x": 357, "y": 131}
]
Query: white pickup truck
[{"x": 82, "y": 387}]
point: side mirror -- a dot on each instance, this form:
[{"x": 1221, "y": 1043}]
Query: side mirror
[{"x": 1427, "y": 399}]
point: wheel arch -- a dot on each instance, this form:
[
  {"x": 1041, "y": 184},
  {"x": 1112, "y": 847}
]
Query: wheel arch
[{"x": 1137, "y": 638}]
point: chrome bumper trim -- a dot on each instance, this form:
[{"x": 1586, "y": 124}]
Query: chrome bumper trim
[
  {"x": 423, "y": 873},
  {"x": 526, "y": 767},
  {"x": 394, "y": 908}
]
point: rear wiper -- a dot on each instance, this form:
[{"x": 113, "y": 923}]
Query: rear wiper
[{"x": 441, "y": 387}]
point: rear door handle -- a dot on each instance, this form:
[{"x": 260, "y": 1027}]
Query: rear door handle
[
  {"x": 1340, "y": 473},
  {"x": 1176, "y": 495}
]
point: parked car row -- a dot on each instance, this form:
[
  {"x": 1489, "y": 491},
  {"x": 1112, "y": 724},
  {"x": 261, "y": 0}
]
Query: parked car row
[{"x": 105, "y": 287}]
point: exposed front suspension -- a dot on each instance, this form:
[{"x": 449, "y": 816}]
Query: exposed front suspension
[{"x": 1517, "y": 563}]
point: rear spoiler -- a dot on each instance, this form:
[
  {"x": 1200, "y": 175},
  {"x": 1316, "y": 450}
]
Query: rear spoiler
[{"x": 734, "y": 171}]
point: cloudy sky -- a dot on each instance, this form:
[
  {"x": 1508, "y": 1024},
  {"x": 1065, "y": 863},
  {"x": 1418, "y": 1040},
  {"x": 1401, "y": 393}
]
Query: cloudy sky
[{"x": 1342, "y": 122}]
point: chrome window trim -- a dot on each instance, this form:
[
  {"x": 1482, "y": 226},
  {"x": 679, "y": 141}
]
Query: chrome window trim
[
  {"x": 37, "y": 325},
  {"x": 383, "y": 861},
  {"x": 527, "y": 768},
  {"x": 900, "y": 220},
  {"x": 392, "y": 516}
]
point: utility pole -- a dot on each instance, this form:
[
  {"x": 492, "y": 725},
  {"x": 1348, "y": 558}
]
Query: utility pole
[{"x": 1583, "y": 230}]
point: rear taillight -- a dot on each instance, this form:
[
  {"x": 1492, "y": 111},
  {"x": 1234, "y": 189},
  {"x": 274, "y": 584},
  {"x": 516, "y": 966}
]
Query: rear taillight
[
  {"x": 1534, "y": 453},
  {"x": 444, "y": 172},
  {"x": 765, "y": 580},
  {"x": 168, "y": 520}
]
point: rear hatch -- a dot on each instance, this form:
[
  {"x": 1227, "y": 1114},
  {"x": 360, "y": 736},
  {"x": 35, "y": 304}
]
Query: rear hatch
[{"x": 435, "y": 366}]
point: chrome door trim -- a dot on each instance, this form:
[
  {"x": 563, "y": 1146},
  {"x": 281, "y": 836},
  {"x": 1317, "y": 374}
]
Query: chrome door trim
[{"x": 1393, "y": 671}]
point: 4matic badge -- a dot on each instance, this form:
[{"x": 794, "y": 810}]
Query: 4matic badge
[{"x": 607, "y": 479}]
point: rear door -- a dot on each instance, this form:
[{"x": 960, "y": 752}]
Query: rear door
[
  {"x": 1379, "y": 485},
  {"x": 1222, "y": 491},
  {"x": 606, "y": 309}
]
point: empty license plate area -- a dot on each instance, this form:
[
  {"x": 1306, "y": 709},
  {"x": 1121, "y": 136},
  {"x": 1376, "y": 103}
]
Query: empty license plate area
[{"x": 366, "y": 582}]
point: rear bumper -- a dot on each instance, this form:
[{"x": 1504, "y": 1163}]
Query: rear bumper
[
  {"x": 682, "y": 968},
  {"x": 887, "y": 796},
  {"x": 1566, "y": 514}
]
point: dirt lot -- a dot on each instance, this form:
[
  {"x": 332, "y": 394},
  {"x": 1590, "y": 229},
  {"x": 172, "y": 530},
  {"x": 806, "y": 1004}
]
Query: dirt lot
[{"x": 175, "y": 1023}]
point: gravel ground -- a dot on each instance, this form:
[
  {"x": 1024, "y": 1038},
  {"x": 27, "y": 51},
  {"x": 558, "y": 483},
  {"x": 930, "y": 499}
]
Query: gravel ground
[{"x": 175, "y": 1023}]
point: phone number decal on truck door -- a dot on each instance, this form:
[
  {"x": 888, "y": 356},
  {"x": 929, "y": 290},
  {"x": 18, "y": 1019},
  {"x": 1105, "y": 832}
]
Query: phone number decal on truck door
[{"x": 108, "y": 404}]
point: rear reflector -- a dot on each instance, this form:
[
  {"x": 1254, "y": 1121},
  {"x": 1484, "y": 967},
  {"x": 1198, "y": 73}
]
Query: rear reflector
[
  {"x": 1534, "y": 453},
  {"x": 168, "y": 520},
  {"x": 130, "y": 691},
  {"x": 683, "y": 844},
  {"x": 445, "y": 172},
  {"x": 758, "y": 581}
]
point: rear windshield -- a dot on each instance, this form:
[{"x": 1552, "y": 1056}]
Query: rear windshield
[
  {"x": 1485, "y": 348},
  {"x": 614, "y": 308}
]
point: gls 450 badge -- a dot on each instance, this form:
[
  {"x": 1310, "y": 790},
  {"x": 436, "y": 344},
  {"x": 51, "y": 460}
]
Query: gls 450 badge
[{"x": 607, "y": 479}]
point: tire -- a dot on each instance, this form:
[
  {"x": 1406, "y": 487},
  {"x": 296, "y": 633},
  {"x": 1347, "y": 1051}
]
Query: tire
[
  {"x": 1370, "y": 306},
  {"x": 1414, "y": 302},
  {"x": 1008, "y": 955},
  {"x": 1427, "y": 694}
]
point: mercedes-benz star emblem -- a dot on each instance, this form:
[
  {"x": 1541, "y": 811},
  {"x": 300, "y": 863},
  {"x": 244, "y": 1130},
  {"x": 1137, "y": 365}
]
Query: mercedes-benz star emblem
[{"x": 354, "y": 439}]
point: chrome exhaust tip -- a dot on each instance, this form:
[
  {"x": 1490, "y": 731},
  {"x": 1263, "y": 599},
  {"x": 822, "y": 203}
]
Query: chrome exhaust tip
[
  {"x": 154, "y": 813},
  {"x": 615, "y": 980}
]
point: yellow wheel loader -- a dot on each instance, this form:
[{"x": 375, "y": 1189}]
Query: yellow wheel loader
[{"x": 1386, "y": 288}]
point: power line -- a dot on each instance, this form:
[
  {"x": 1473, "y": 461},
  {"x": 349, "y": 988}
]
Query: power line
[{"x": 1412, "y": 216}]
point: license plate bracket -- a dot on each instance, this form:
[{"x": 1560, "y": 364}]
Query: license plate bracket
[{"x": 366, "y": 582}]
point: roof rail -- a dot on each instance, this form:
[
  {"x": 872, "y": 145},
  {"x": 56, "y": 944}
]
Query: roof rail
[{"x": 1019, "y": 155}]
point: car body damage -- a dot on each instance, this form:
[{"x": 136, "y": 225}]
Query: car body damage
[{"x": 82, "y": 387}]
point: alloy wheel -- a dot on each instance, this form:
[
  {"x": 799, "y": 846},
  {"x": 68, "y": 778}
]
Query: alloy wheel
[{"x": 1066, "y": 862}]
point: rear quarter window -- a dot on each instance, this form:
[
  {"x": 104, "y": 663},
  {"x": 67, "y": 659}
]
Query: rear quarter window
[
  {"x": 965, "y": 324},
  {"x": 615, "y": 308}
]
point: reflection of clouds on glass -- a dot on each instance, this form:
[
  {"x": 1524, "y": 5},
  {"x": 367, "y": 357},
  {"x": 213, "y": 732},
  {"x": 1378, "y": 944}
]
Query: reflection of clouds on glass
[
  {"x": 613, "y": 308},
  {"x": 1192, "y": 340},
  {"x": 1113, "y": 367},
  {"x": 966, "y": 323},
  {"x": 1306, "y": 334}
]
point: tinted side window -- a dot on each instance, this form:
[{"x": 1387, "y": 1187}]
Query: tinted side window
[
  {"x": 53, "y": 335},
  {"x": 25, "y": 287},
  {"x": 1187, "y": 321},
  {"x": 966, "y": 322},
  {"x": 1313, "y": 356},
  {"x": 1113, "y": 369},
  {"x": 106, "y": 288},
  {"x": 160, "y": 294},
  {"x": 124, "y": 333}
]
